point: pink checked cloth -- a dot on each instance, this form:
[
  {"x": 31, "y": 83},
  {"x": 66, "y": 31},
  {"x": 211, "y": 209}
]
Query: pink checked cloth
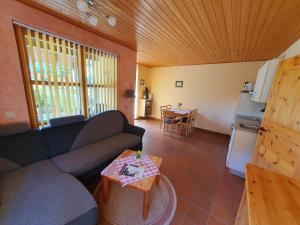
[{"x": 150, "y": 169}]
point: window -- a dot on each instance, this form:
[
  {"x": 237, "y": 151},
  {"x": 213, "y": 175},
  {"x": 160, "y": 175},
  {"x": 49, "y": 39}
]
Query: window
[
  {"x": 54, "y": 76},
  {"x": 101, "y": 81},
  {"x": 64, "y": 78}
]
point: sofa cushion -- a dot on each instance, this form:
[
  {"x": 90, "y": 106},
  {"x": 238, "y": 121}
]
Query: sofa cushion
[
  {"x": 91, "y": 156},
  {"x": 60, "y": 139},
  {"x": 41, "y": 194},
  {"x": 7, "y": 165},
  {"x": 99, "y": 127},
  {"x": 24, "y": 148}
]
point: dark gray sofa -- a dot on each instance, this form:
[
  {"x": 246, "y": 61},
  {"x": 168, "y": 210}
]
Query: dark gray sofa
[{"x": 41, "y": 170}]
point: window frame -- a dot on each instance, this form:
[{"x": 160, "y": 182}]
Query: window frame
[{"x": 20, "y": 32}]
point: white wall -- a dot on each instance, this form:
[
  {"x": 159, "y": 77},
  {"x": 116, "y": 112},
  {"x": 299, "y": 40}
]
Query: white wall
[{"x": 213, "y": 89}]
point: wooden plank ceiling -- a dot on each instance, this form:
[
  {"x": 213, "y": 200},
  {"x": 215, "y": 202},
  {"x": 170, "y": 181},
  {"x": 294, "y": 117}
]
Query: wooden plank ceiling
[{"x": 185, "y": 32}]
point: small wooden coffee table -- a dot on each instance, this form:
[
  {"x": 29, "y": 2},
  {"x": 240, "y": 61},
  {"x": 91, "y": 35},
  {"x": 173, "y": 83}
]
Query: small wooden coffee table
[{"x": 144, "y": 185}]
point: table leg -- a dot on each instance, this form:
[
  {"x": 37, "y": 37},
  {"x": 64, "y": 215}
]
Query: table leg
[
  {"x": 146, "y": 204},
  {"x": 106, "y": 187},
  {"x": 157, "y": 179}
]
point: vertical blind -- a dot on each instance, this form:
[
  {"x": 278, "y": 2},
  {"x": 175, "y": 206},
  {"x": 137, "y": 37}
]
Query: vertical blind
[
  {"x": 101, "y": 81},
  {"x": 64, "y": 78}
]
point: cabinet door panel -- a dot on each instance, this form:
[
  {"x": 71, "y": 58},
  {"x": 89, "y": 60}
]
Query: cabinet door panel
[
  {"x": 269, "y": 79},
  {"x": 260, "y": 80}
]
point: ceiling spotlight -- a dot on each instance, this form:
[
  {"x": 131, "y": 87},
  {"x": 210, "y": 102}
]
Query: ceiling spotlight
[
  {"x": 90, "y": 2},
  {"x": 93, "y": 20},
  {"x": 111, "y": 20},
  {"x": 82, "y": 6}
]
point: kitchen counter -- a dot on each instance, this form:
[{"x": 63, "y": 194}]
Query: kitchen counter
[{"x": 272, "y": 198}]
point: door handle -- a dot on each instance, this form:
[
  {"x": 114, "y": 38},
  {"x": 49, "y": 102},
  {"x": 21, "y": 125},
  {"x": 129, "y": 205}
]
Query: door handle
[{"x": 262, "y": 129}]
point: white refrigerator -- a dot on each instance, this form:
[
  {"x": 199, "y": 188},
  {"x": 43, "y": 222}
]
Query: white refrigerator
[{"x": 244, "y": 133}]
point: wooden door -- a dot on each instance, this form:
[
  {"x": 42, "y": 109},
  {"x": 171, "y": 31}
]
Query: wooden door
[{"x": 278, "y": 143}]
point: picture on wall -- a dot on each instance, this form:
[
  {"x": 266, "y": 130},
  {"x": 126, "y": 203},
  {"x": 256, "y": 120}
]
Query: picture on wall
[
  {"x": 142, "y": 82},
  {"x": 179, "y": 84}
]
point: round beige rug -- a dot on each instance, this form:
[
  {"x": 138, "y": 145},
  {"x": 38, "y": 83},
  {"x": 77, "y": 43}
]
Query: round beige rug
[{"x": 125, "y": 205}]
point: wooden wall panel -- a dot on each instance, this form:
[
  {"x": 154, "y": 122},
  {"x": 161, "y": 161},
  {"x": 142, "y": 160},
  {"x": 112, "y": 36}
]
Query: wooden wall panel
[{"x": 185, "y": 32}]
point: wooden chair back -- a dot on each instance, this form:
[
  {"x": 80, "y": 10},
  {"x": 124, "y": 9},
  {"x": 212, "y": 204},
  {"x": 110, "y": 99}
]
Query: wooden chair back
[
  {"x": 166, "y": 113},
  {"x": 188, "y": 116},
  {"x": 164, "y": 107},
  {"x": 173, "y": 115},
  {"x": 194, "y": 114}
]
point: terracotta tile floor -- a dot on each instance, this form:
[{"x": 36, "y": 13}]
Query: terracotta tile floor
[{"x": 207, "y": 193}]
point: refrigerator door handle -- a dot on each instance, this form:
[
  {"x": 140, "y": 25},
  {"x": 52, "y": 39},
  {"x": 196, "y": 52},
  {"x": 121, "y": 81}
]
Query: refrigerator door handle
[{"x": 249, "y": 127}]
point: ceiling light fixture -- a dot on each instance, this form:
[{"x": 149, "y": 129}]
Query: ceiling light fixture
[
  {"x": 82, "y": 6},
  {"x": 93, "y": 20},
  {"x": 111, "y": 20},
  {"x": 90, "y": 2}
]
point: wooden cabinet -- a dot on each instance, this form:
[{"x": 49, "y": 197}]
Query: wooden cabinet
[{"x": 145, "y": 107}]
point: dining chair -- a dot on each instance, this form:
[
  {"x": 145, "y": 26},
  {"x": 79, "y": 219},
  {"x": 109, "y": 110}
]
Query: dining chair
[
  {"x": 162, "y": 108},
  {"x": 186, "y": 123},
  {"x": 193, "y": 118},
  {"x": 170, "y": 121}
]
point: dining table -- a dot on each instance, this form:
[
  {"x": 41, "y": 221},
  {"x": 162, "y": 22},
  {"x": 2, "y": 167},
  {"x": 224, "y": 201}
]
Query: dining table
[
  {"x": 181, "y": 111},
  {"x": 181, "y": 115}
]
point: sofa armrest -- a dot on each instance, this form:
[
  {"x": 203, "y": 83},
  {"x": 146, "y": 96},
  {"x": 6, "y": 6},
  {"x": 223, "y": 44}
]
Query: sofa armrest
[{"x": 135, "y": 130}]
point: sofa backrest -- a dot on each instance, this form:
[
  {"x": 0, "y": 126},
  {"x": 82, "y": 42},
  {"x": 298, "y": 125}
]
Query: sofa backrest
[
  {"x": 59, "y": 139},
  {"x": 56, "y": 122},
  {"x": 99, "y": 127},
  {"x": 17, "y": 150},
  {"x": 21, "y": 149}
]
